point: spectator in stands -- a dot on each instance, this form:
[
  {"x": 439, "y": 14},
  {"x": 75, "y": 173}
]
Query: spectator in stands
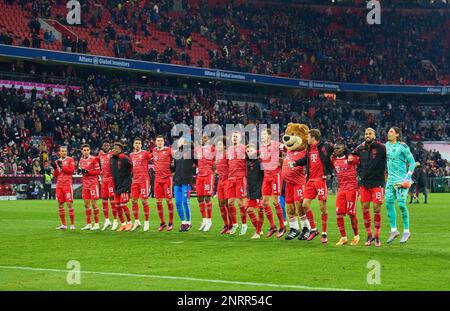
[
  {"x": 189, "y": 42},
  {"x": 36, "y": 169},
  {"x": 51, "y": 37},
  {"x": 67, "y": 44},
  {"x": 46, "y": 36},
  {"x": 34, "y": 25},
  {"x": 36, "y": 40},
  {"x": 25, "y": 42},
  {"x": 47, "y": 176}
]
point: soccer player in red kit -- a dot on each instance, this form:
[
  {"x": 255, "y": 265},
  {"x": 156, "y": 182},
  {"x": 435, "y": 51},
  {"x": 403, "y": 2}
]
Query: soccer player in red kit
[
  {"x": 221, "y": 164},
  {"x": 64, "y": 168},
  {"x": 162, "y": 160},
  {"x": 347, "y": 195},
  {"x": 237, "y": 180},
  {"x": 141, "y": 183},
  {"x": 89, "y": 167},
  {"x": 271, "y": 188},
  {"x": 318, "y": 167},
  {"x": 204, "y": 183},
  {"x": 107, "y": 186},
  {"x": 121, "y": 171}
]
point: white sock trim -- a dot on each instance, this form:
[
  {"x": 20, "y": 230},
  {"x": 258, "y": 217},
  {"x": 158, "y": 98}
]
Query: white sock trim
[{"x": 294, "y": 224}]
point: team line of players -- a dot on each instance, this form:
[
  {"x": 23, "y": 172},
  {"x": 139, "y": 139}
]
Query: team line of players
[{"x": 248, "y": 177}]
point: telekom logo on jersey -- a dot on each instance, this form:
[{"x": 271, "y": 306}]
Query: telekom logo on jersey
[{"x": 314, "y": 157}]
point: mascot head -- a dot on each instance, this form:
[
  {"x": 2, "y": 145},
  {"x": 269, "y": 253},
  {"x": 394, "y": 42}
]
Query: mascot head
[{"x": 295, "y": 136}]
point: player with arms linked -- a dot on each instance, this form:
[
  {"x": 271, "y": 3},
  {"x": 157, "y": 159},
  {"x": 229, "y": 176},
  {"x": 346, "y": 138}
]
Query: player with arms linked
[
  {"x": 347, "y": 195},
  {"x": 371, "y": 159},
  {"x": 89, "y": 167},
  {"x": 64, "y": 168},
  {"x": 121, "y": 171},
  {"x": 140, "y": 184}
]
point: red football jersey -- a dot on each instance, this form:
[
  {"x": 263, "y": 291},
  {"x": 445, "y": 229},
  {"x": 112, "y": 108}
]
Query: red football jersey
[
  {"x": 162, "y": 160},
  {"x": 92, "y": 165},
  {"x": 346, "y": 173},
  {"x": 237, "y": 165},
  {"x": 105, "y": 164},
  {"x": 140, "y": 168},
  {"x": 222, "y": 165},
  {"x": 64, "y": 173},
  {"x": 270, "y": 158},
  {"x": 205, "y": 157},
  {"x": 297, "y": 174},
  {"x": 315, "y": 164}
]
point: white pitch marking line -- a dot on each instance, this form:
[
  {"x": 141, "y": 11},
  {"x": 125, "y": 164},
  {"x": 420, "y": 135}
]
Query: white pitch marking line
[
  {"x": 180, "y": 278},
  {"x": 179, "y": 242}
]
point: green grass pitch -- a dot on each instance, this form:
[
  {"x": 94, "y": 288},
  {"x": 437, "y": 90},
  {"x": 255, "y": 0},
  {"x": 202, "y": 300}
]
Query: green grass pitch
[{"x": 34, "y": 256}]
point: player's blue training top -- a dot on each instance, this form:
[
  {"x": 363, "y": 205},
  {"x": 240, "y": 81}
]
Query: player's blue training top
[{"x": 398, "y": 156}]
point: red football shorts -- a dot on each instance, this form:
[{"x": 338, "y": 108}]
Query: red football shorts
[
  {"x": 221, "y": 189},
  {"x": 64, "y": 194},
  {"x": 140, "y": 189},
  {"x": 375, "y": 195},
  {"x": 204, "y": 185},
  {"x": 237, "y": 188},
  {"x": 293, "y": 192},
  {"x": 316, "y": 188},
  {"x": 346, "y": 202},
  {"x": 121, "y": 198},
  {"x": 107, "y": 188},
  {"x": 271, "y": 185},
  {"x": 163, "y": 188},
  {"x": 255, "y": 203},
  {"x": 91, "y": 193}
]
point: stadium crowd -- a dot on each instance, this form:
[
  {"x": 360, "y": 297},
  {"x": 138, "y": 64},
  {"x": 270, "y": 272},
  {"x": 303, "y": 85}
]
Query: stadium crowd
[
  {"x": 272, "y": 40},
  {"x": 103, "y": 109},
  {"x": 276, "y": 40}
]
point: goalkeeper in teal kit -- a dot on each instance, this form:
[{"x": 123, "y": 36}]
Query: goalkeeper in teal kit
[{"x": 398, "y": 183}]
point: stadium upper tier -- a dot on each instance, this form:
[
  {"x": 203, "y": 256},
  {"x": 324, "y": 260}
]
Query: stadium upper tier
[{"x": 308, "y": 42}]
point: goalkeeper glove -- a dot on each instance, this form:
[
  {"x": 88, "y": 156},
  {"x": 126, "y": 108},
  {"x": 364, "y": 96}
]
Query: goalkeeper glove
[
  {"x": 83, "y": 171},
  {"x": 406, "y": 183}
]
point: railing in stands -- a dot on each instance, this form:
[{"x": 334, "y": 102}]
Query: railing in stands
[{"x": 62, "y": 29}]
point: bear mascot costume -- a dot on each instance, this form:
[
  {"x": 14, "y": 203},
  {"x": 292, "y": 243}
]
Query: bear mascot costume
[{"x": 295, "y": 143}]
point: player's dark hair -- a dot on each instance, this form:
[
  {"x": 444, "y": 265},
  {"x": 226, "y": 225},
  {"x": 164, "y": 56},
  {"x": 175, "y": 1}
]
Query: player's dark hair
[
  {"x": 341, "y": 145},
  {"x": 138, "y": 139},
  {"x": 85, "y": 146},
  {"x": 398, "y": 131},
  {"x": 315, "y": 133},
  {"x": 65, "y": 147},
  {"x": 268, "y": 131},
  {"x": 159, "y": 136},
  {"x": 119, "y": 145},
  {"x": 106, "y": 141}
]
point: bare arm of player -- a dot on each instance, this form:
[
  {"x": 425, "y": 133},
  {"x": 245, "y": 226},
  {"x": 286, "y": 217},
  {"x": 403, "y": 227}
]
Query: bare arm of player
[{"x": 353, "y": 159}]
